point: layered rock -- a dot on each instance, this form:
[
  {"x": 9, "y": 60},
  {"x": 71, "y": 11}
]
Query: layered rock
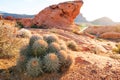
[
  {"x": 59, "y": 16},
  {"x": 112, "y": 32}
]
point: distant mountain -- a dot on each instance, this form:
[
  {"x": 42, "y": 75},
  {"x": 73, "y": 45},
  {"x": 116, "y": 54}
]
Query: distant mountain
[
  {"x": 16, "y": 15},
  {"x": 103, "y": 21},
  {"x": 80, "y": 19}
]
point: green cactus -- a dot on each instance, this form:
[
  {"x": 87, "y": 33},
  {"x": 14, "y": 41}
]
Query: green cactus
[
  {"x": 54, "y": 47},
  {"x": 34, "y": 38},
  {"x": 21, "y": 63},
  {"x": 69, "y": 61},
  {"x": 62, "y": 55},
  {"x": 72, "y": 45},
  {"x": 39, "y": 48},
  {"x": 50, "y": 38},
  {"x": 34, "y": 67},
  {"x": 51, "y": 62},
  {"x": 62, "y": 45}
]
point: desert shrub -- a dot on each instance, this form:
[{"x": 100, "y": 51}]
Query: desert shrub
[
  {"x": 34, "y": 67},
  {"x": 39, "y": 47},
  {"x": 19, "y": 25},
  {"x": 117, "y": 48},
  {"x": 24, "y": 33},
  {"x": 51, "y": 38},
  {"x": 54, "y": 47},
  {"x": 34, "y": 26},
  {"x": 51, "y": 62},
  {"x": 8, "y": 42},
  {"x": 72, "y": 45}
]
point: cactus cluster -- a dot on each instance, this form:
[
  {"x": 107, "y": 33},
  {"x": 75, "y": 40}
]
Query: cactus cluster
[{"x": 43, "y": 55}]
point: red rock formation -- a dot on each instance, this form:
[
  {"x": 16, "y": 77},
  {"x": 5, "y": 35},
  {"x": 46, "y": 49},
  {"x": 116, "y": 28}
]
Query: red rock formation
[
  {"x": 59, "y": 16},
  {"x": 112, "y": 32},
  {"x": 26, "y": 22},
  {"x": 112, "y": 35},
  {"x": 9, "y": 18}
]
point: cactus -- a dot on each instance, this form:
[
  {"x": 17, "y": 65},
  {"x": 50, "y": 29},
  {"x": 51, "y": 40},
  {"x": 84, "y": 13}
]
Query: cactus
[
  {"x": 63, "y": 45},
  {"x": 62, "y": 55},
  {"x": 21, "y": 63},
  {"x": 50, "y": 38},
  {"x": 54, "y": 47},
  {"x": 39, "y": 48},
  {"x": 69, "y": 61},
  {"x": 34, "y": 67},
  {"x": 72, "y": 45},
  {"x": 51, "y": 62},
  {"x": 24, "y": 33},
  {"x": 34, "y": 38}
]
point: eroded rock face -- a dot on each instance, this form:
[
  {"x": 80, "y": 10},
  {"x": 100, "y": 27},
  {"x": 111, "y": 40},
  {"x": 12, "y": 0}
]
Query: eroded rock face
[
  {"x": 112, "y": 32},
  {"x": 58, "y": 16},
  {"x": 27, "y": 22}
]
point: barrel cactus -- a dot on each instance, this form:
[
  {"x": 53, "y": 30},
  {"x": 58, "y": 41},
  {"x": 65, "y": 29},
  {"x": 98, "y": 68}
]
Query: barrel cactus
[
  {"x": 54, "y": 47},
  {"x": 34, "y": 67},
  {"x": 51, "y": 62},
  {"x": 51, "y": 38},
  {"x": 72, "y": 45},
  {"x": 39, "y": 47},
  {"x": 34, "y": 38},
  {"x": 62, "y": 55},
  {"x": 21, "y": 63}
]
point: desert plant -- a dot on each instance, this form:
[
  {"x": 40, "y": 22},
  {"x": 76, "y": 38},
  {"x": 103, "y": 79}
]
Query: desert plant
[
  {"x": 50, "y": 38},
  {"x": 54, "y": 47},
  {"x": 34, "y": 38},
  {"x": 62, "y": 55},
  {"x": 51, "y": 62},
  {"x": 21, "y": 63},
  {"x": 72, "y": 45},
  {"x": 62, "y": 45},
  {"x": 24, "y": 33},
  {"x": 8, "y": 42},
  {"x": 34, "y": 67},
  {"x": 116, "y": 49},
  {"x": 39, "y": 47}
]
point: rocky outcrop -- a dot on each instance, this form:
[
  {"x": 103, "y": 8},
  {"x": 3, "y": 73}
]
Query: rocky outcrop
[
  {"x": 111, "y": 35},
  {"x": 59, "y": 16},
  {"x": 26, "y": 22},
  {"x": 112, "y": 32}
]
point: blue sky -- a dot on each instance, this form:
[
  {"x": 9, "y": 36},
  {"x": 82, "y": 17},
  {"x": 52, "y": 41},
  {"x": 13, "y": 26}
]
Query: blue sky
[{"x": 91, "y": 9}]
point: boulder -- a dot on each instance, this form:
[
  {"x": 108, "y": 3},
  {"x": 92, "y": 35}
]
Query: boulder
[{"x": 59, "y": 16}]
